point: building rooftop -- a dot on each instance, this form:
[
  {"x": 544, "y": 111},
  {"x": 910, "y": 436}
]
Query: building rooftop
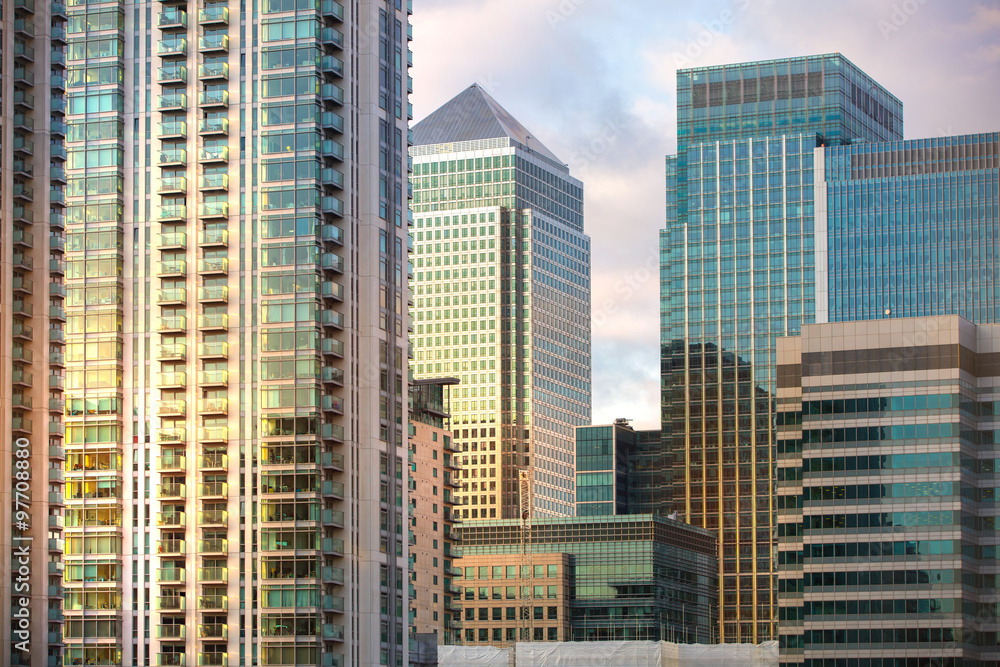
[{"x": 473, "y": 115}]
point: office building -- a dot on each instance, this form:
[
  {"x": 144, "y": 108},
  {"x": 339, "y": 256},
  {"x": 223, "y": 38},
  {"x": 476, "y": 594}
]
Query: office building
[
  {"x": 502, "y": 301},
  {"x": 889, "y": 434},
  {"x": 784, "y": 210},
  {"x": 909, "y": 229},
  {"x": 32, "y": 328},
  {"x": 737, "y": 271},
  {"x": 613, "y": 578},
  {"x": 435, "y": 604},
  {"x": 236, "y": 386},
  {"x": 620, "y": 471}
]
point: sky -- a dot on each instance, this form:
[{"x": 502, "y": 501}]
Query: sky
[{"x": 594, "y": 80}]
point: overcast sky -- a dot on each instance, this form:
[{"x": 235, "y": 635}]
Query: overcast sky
[{"x": 594, "y": 80}]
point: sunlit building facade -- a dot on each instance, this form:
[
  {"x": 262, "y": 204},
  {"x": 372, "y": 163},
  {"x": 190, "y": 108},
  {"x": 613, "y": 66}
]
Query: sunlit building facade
[
  {"x": 738, "y": 270},
  {"x": 502, "y": 301},
  {"x": 32, "y": 329},
  {"x": 236, "y": 334}
]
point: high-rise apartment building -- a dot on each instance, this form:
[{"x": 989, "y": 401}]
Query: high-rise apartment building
[
  {"x": 435, "y": 607},
  {"x": 32, "y": 333},
  {"x": 237, "y": 279},
  {"x": 889, "y": 435},
  {"x": 738, "y": 271},
  {"x": 502, "y": 301}
]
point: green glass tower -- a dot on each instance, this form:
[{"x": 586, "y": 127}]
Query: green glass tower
[
  {"x": 236, "y": 384},
  {"x": 502, "y": 301},
  {"x": 738, "y": 270}
]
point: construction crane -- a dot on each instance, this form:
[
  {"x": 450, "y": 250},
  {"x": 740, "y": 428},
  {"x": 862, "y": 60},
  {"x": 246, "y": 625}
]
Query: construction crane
[{"x": 527, "y": 591}]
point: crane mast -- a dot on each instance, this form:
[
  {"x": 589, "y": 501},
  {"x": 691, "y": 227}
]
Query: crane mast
[{"x": 527, "y": 592}]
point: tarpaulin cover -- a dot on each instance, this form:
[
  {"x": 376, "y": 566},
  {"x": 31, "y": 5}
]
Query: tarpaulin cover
[{"x": 611, "y": 654}]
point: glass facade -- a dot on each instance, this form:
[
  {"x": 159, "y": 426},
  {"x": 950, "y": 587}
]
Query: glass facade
[
  {"x": 236, "y": 278},
  {"x": 912, "y": 228},
  {"x": 620, "y": 471},
  {"x": 502, "y": 301},
  {"x": 635, "y": 577},
  {"x": 738, "y": 270},
  {"x": 887, "y": 449}
]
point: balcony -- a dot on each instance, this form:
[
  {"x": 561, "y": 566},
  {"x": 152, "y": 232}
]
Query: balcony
[
  {"x": 213, "y": 603},
  {"x": 176, "y": 407},
  {"x": 173, "y": 295},
  {"x": 173, "y": 129},
  {"x": 214, "y": 182},
  {"x": 170, "y": 519},
  {"x": 171, "y": 603},
  {"x": 171, "y": 18},
  {"x": 172, "y": 102},
  {"x": 213, "y": 406},
  {"x": 213, "y": 15},
  {"x": 175, "y": 352},
  {"x": 172, "y": 267},
  {"x": 172, "y": 73},
  {"x": 172, "y": 323},
  {"x": 173, "y": 240},
  {"x": 213, "y": 126},
  {"x": 213, "y": 98},
  {"x": 170, "y": 492},
  {"x": 215, "y": 546},
  {"x": 177, "y": 156},
  {"x": 217, "y": 293},
  {"x": 20, "y": 377},
  {"x": 213, "y": 518},
  {"x": 171, "y": 547},
  {"x": 211, "y": 43},
  {"x": 213, "y": 265},
  {"x": 171, "y": 632},
  {"x": 213, "y": 321},
  {"x": 212, "y": 575},
  {"x": 214, "y": 154},
  {"x": 332, "y": 460},
  {"x": 171, "y": 660},
  {"x": 333, "y": 518},
  {"x": 214, "y": 490},
  {"x": 173, "y": 47},
  {"x": 214, "y": 434},
  {"x": 174, "y": 380},
  {"x": 331, "y": 488},
  {"x": 213, "y": 350},
  {"x": 211, "y": 71},
  {"x": 174, "y": 576},
  {"x": 214, "y": 209},
  {"x": 213, "y": 237},
  {"x": 213, "y": 659},
  {"x": 172, "y": 184},
  {"x": 23, "y": 144}
]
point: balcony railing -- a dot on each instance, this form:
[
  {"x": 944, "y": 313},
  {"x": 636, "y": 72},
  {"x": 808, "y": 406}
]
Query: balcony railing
[
  {"x": 166, "y": 491},
  {"x": 213, "y": 602},
  {"x": 213, "y": 546},
  {"x": 214, "y": 489}
]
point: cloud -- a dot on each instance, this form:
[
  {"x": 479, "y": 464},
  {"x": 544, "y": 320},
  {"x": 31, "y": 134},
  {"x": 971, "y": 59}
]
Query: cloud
[{"x": 596, "y": 84}]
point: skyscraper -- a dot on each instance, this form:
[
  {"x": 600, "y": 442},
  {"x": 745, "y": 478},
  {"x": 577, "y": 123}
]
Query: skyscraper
[
  {"x": 888, "y": 439},
  {"x": 502, "y": 290},
  {"x": 236, "y": 388},
  {"x": 32, "y": 334},
  {"x": 738, "y": 270}
]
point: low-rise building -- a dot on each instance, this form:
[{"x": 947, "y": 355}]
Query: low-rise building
[{"x": 634, "y": 577}]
